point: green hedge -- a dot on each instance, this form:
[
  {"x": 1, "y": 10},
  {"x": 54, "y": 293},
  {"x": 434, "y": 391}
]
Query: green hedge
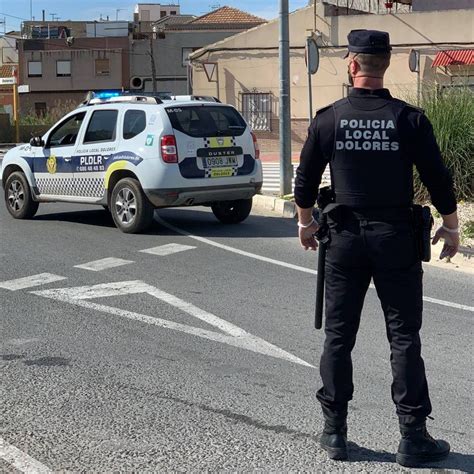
[{"x": 451, "y": 111}]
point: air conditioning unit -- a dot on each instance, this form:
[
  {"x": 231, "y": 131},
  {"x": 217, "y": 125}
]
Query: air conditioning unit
[{"x": 137, "y": 83}]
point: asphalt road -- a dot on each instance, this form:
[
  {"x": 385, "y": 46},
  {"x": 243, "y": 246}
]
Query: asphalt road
[{"x": 202, "y": 359}]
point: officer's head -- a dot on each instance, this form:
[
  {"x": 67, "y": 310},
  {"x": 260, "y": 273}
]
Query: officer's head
[{"x": 368, "y": 53}]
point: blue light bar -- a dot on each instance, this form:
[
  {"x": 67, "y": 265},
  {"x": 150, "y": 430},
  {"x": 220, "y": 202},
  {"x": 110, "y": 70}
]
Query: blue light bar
[{"x": 106, "y": 94}]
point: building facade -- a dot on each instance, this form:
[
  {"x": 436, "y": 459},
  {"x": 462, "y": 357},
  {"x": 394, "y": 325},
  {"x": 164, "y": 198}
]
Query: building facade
[
  {"x": 175, "y": 38},
  {"x": 150, "y": 12},
  {"x": 60, "y": 75},
  {"x": 248, "y": 63}
]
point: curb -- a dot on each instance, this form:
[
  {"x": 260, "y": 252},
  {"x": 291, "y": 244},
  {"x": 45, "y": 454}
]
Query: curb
[{"x": 286, "y": 209}]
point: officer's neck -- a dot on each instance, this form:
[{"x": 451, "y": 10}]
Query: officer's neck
[{"x": 365, "y": 82}]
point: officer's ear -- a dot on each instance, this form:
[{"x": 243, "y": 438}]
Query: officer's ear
[{"x": 354, "y": 66}]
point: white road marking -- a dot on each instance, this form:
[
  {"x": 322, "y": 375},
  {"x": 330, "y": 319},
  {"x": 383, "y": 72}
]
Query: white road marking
[
  {"x": 448, "y": 303},
  {"x": 287, "y": 265},
  {"x": 31, "y": 281},
  {"x": 167, "y": 249},
  {"x": 234, "y": 250},
  {"x": 20, "y": 460},
  {"x": 234, "y": 335},
  {"x": 103, "y": 264}
]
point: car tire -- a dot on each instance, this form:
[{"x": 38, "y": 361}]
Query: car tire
[
  {"x": 131, "y": 210},
  {"x": 18, "y": 197},
  {"x": 232, "y": 212}
]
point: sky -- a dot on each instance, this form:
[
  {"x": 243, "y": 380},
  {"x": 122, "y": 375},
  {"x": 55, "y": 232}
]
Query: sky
[{"x": 92, "y": 9}]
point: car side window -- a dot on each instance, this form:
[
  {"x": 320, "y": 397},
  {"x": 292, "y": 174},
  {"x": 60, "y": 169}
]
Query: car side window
[
  {"x": 134, "y": 123},
  {"x": 102, "y": 126},
  {"x": 66, "y": 133}
]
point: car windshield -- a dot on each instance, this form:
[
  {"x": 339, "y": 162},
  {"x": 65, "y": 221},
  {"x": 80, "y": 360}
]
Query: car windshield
[{"x": 206, "y": 121}]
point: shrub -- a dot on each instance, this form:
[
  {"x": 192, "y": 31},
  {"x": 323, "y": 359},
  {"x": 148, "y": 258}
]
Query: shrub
[
  {"x": 452, "y": 114},
  {"x": 55, "y": 113}
]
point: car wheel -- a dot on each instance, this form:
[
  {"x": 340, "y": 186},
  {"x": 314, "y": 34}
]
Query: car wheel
[
  {"x": 130, "y": 208},
  {"x": 232, "y": 212},
  {"x": 18, "y": 197}
]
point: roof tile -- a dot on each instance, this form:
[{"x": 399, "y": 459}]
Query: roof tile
[{"x": 228, "y": 15}]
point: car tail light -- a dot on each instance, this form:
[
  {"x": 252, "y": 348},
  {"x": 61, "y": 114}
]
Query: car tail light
[
  {"x": 169, "y": 150},
  {"x": 255, "y": 144}
]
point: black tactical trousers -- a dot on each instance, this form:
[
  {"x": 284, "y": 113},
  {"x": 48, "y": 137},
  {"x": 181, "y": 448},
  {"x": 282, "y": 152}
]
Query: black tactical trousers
[{"x": 361, "y": 249}]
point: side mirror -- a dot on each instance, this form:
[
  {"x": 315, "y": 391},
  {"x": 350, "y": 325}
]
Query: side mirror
[{"x": 37, "y": 141}]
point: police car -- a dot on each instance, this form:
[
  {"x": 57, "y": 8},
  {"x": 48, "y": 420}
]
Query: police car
[{"x": 133, "y": 154}]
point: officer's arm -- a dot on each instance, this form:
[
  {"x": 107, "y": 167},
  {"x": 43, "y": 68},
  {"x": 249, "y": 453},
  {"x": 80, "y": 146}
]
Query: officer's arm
[
  {"x": 437, "y": 178},
  {"x": 313, "y": 162},
  {"x": 429, "y": 163}
]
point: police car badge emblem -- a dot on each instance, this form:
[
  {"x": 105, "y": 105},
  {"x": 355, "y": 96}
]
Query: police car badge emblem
[{"x": 51, "y": 164}]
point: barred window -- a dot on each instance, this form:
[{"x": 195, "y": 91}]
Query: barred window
[{"x": 257, "y": 110}]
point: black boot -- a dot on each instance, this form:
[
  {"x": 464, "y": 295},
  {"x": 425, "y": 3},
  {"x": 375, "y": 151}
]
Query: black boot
[
  {"x": 334, "y": 440},
  {"x": 418, "y": 447}
]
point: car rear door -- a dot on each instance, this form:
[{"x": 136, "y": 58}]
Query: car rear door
[
  {"x": 213, "y": 141},
  {"x": 99, "y": 144}
]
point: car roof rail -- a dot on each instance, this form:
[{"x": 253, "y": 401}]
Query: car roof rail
[{"x": 94, "y": 98}]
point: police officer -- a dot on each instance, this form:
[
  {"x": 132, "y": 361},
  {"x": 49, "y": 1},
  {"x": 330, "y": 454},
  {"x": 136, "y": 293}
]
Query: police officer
[{"x": 371, "y": 142}]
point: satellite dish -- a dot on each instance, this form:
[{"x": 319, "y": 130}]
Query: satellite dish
[{"x": 414, "y": 61}]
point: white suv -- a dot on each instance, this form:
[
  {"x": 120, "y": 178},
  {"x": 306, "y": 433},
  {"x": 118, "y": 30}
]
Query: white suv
[{"x": 133, "y": 154}]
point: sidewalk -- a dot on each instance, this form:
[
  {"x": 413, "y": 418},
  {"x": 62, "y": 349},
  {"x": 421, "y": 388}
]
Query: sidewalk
[{"x": 274, "y": 157}]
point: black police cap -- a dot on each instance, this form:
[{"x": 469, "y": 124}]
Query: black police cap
[{"x": 368, "y": 42}]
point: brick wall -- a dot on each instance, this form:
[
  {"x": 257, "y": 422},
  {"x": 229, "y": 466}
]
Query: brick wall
[{"x": 270, "y": 141}]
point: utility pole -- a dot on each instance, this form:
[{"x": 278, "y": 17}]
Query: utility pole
[
  {"x": 31, "y": 10},
  {"x": 117, "y": 11},
  {"x": 153, "y": 65},
  {"x": 286, "y": 168}
]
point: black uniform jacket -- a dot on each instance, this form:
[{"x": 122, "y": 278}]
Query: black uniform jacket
[{"x": 417, "y": 146}]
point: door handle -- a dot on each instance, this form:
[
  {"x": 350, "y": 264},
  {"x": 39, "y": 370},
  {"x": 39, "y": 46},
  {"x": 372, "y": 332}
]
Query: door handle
[{"x": 67, "y": 159}]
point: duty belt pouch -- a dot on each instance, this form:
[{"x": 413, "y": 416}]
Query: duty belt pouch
[{"x": 423, "y": 222}]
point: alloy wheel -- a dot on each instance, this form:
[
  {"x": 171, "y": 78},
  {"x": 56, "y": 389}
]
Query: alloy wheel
[
  {"x": 16, "y": 195},
  {"x": 126, "y": 206}
]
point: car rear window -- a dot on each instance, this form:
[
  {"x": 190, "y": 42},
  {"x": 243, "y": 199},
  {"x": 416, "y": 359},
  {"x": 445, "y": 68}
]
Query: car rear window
[{"x": 207, "y": 121}]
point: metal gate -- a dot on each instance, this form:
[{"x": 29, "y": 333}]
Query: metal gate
[{"x": 257, "y": 110}]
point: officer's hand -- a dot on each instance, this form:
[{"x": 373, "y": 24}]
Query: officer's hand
[
  {"x": 451, "y": 242},
  {"x": 307, "y": 239}
]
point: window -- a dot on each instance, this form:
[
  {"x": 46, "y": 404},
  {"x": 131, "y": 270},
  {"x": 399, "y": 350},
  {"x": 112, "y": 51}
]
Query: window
[
  {"x": 63, "y": 68},
  {"x": 185, "y": 53},
  {"x": 145, "y": 15},
  {"x": 102, "y": 126},
  {"x": 134, "y": 123},
  {"x": 102, "y": 67},
  {"x": 40, "y": 109},
  {"x": 257, "y": 110},
  {"x": 207, "y": 121},
  {"x": 66, "y": 133},
  {"x": 162, "y": 14},
  {"x": 172, "y": 12},
  {"x": 35, "y": 69}
]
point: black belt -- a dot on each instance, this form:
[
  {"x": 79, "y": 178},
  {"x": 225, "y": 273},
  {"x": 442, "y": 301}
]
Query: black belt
[{"x": 372, "y": 214}]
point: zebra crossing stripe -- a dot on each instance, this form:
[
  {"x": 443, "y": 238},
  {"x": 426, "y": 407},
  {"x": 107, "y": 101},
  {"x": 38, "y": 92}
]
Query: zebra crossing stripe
[
  {"x": 103, "y": 264},
  {"x": 31, "y": 281}
]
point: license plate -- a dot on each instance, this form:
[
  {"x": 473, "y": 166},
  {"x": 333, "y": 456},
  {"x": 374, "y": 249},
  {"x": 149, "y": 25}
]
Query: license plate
[
  {"x": 221, "y": 172},
  {"x": 217, "y": 161}
]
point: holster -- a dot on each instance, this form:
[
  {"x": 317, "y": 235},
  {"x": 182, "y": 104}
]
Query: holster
[{"x": 423, "y": 223}]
